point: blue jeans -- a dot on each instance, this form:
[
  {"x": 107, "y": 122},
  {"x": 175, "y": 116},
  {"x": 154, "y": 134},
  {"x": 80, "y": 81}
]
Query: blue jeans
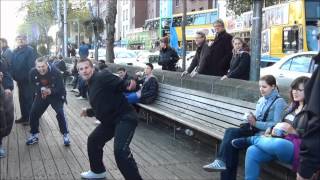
[
  {"x": 229, "y": 154},
  {"x": 265, "y": 149},
  {"x": 132, "y": 97}
]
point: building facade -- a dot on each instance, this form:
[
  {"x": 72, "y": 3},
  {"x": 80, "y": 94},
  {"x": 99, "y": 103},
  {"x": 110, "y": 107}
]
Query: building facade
[
  {"x": 192, "y": 5},
  {"x": 166, "y": 8},
  {"x": 153, "y": 8}
]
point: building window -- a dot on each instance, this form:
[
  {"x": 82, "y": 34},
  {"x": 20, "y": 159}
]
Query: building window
[
  {"x": 124, "y": 15},
  {"x": 127, "y": 14},
  {"x": 177, "y": 2},
  {"x": 201, "y": 8}
]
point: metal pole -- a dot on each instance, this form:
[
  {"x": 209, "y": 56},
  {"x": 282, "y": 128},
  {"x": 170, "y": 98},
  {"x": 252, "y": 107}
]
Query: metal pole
[
  {"x": 59, "y": 25},
  {"x": 256, "y": 40},
  {"x": 160, "y": 24},
  {"x": 78, "y": 21},
  {"x": 183, "y": 27},
  {"x": 96, "y": 33},
  {"x": 65, "y": 28}
]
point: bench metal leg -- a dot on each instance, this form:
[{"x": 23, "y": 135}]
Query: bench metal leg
[
  {"x": 174, "y": 129},
  {"x": 217, "y": 149},
  {"x": 147, "y": 114}
]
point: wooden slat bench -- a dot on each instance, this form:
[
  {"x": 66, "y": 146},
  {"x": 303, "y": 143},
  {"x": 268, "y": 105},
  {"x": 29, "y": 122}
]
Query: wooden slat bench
[
  {"x": 207, "y": 113},
  {"x": 204, "y": 112}
]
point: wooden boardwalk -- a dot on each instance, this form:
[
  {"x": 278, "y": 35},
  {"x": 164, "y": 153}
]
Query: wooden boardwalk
[{"x": 158, "y": 154}]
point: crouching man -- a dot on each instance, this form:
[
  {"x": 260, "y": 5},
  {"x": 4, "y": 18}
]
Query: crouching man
[
  {"x": 118, "y": 121},
  {"x": 48, "y": 90}
]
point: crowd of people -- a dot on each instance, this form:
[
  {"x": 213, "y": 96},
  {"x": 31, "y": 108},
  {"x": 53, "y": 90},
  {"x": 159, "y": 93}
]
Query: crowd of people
[{"x": 275, "y": 131}]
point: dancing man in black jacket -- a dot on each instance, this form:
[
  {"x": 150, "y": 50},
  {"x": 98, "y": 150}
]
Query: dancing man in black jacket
[{"x": 118, "y": 121}]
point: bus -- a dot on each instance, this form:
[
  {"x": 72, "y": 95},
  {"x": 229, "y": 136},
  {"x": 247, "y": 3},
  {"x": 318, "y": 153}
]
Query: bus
[
  {"x": 196, "y": 20},
  {"x": 287, "y": 28}
]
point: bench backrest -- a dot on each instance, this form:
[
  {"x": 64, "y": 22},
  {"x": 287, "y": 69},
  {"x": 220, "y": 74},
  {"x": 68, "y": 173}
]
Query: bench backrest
[{"x": 211, "y": 110}]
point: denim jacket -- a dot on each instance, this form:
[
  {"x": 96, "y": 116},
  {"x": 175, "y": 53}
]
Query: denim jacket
[{"x": 275, "y": 111}]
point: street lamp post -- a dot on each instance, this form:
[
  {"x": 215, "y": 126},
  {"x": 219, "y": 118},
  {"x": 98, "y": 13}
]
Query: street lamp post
[{"x": 65, "y": 29}]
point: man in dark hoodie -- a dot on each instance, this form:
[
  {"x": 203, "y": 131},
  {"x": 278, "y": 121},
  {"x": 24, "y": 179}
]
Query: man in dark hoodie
[
  {"x": 310, "y": 129},
  {"x": 48, "y": 90},
  {"x": 118, "y": 120},
  {"x": 23, "y": 60}
]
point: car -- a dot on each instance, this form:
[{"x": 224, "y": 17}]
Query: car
[
  {"x": 290, "y": 67},
  {"x": 125, "y": 57}
]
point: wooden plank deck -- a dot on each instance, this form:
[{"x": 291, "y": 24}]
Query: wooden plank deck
[{"x": 158, "y": 154}]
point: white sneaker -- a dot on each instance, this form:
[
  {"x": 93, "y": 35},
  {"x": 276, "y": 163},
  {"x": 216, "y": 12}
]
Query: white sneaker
[
  {"x": 74, "y": 90},
  {"x": 91, "y": 175},
  {"x": 2, "y": 152},
  {"x": 80, "y": 98}
]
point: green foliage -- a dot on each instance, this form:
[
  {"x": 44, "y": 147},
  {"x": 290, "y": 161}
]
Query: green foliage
[{"x": 237, "y": 7}]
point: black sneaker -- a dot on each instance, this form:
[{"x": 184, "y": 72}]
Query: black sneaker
[
  {"x": 240, "y": 143},
  {"x": 21, "y": 121}
]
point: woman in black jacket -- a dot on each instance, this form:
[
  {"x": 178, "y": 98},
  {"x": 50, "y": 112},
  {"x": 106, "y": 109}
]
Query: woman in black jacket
[
  {"x": 240, "y": 62},
  {"x": 168, "y": 56}
]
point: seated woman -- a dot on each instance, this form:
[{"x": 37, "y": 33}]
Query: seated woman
[
  {"x": 281, "y": 142},
  {"x": 240, "y": 62},
  {"x": 149, "y": 90},
  {"x": 268, "y": 113}
]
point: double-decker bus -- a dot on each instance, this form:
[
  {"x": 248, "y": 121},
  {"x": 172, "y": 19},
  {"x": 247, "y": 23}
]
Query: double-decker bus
[
  {"x": 196, "y": 20},
  {"x": 286, "y": 28}
]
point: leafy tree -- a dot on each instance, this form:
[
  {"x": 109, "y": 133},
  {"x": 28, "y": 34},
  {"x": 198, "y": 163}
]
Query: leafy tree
[
  {"x": 42, "y": 15},
  {"x": 237, "y": 7}
]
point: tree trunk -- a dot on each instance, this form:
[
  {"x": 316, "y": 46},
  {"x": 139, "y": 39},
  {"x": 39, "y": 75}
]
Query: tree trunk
[{"x": 110, "y": 28}]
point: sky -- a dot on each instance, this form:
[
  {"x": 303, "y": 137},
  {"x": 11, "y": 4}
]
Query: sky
[{"x": 10, "y": 19}]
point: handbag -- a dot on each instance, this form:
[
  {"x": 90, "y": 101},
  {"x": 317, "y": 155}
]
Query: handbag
[{"x": 248, "y": 130}]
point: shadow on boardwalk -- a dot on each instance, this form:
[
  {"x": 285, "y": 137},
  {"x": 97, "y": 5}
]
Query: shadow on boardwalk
[{"x": 158, "y": 155}]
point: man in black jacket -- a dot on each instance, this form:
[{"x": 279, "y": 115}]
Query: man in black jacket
[
  {"x": 310, "y": 141},
  {"x": 202, "y": 53},
  {"x": 118, "y": 120},
  {"x": 218, "y": 61},
  {"x": 23, "y": 60},
  {"x": 62, "y": 67},
  {"x": 213, "y": 59},
  {"x": 123, "y": 74},
  {"x": 48, "y": 90}
]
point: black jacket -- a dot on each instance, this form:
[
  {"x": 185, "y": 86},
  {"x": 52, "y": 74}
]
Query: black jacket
[
  {"x": 202, "y": 53},
  {"x": 127, "y": 80},
  {"x": 54, "y": 82},
  {"x": 310, "y": 141},
  {"x": 149, "y": 91},
  {"x": 7, "y": 81},
  {"x": 22, "y": 62},
  {"x": 60, "y": 65},
  {"x": 240, "y": 66},
  {"x": 107, "y": 99},
  {"x": 168, "y": 59},
  {"x": 217, "y": 62}
]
